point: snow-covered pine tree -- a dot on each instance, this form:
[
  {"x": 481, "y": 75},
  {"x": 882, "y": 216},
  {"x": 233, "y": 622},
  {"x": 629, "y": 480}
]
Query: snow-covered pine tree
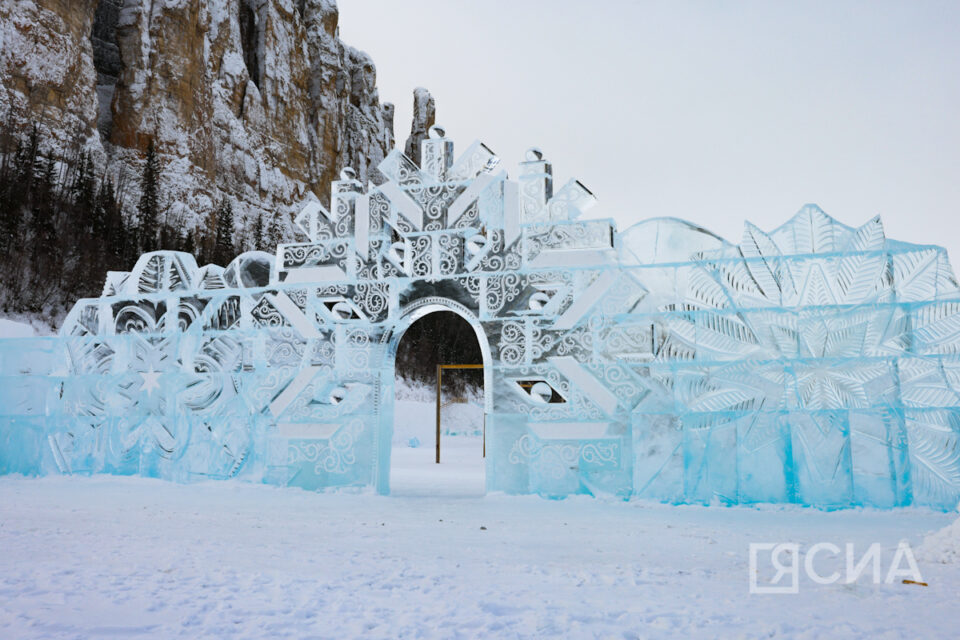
[
  {"x": 84, "y": 193},
  {"x": 223, "y": 247},
  {"x": 26, "y": 159},
  {"x": 257, "y": 241},
  {"x": 11, "y": 212},
  {"x": 275, "y": 234},
  {"x": 116, "y": 234},
  {"x": 440, "y": 338},
  {"x": 188, "y": 243},
  {"x": 148, "y": 210},
  {"x": 61, "y": 228},
  {"x": 44, "y": 245}
]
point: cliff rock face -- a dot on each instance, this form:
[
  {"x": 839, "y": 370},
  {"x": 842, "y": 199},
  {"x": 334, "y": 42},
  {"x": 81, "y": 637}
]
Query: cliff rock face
[
  {"x": 255, "y": 100},
  {"x": 46, "y": 68}
]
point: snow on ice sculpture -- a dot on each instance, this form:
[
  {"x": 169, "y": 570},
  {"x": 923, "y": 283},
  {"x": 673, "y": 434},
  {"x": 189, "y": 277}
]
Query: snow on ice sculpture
[{"x": 814, "y": 364}]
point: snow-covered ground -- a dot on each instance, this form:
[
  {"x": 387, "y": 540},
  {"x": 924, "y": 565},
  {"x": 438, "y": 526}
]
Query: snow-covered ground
[
  {"x": 461, "y": 472},
  {"x": 99, "y": 557},
  {"x": 413, "y": 467},
  {"x": 129, "y": 557},
  {"x": 13, "y": 329}
]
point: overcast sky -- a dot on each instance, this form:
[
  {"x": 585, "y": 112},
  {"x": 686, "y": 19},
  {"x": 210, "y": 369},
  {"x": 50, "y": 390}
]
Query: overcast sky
[{"x": 715, "y": 112}]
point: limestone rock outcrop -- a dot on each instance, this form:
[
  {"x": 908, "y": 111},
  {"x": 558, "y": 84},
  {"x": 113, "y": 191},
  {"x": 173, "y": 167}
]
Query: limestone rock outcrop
[
  {"x": 424, "y": 117},
  {"x": 258, "y": 101},
  {"x": 46, "y": 68}
]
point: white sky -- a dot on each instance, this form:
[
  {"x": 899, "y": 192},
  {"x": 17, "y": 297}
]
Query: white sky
[{"x": 715, "y": 112}]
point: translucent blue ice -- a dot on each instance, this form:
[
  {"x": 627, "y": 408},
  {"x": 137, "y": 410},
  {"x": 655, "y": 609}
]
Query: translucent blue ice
[{"x": 814, "y": 364}]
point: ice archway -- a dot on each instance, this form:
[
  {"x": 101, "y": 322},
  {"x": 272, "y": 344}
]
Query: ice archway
[
  {"x": 816, "y": 363},
  {"x": 410, "y": 314}
]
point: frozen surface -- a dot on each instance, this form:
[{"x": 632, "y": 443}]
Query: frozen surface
[
  {"x": 815, "y": 363},
  {"x": 413, "y": 469},
  {"x": 132, "y": 557},
  {"x": 461, "y": 472}
]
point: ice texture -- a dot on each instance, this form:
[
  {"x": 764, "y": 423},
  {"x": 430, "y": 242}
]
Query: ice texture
[{"x": 814, "y": 364}]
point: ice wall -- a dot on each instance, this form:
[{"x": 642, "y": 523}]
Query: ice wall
[{"x": 813, "y": 364}]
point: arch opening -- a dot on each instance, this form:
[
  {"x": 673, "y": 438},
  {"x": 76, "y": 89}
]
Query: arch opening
[{"x": 427, "y": 336}]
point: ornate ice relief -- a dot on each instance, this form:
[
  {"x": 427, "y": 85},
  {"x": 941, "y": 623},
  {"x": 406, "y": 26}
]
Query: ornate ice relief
[{"x": 815, "y": 364}]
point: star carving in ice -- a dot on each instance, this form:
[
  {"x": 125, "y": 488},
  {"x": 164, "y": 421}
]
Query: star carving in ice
[{"x": 151, "y": 381}]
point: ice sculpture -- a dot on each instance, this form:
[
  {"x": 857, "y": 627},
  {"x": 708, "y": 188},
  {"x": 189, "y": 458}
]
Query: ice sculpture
[{"x": 814, "y": 364}]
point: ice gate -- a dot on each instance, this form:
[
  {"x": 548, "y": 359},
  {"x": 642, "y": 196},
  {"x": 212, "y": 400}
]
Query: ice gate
[{"x": 814, "y": 364}]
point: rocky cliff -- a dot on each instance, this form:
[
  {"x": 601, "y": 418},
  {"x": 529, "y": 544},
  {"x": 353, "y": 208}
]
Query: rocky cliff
[
  {"x": 424, "y": 117},
  {"x": 255, "y": 100}
]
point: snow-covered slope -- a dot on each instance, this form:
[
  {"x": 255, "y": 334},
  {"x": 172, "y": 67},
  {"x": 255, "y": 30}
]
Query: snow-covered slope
[{"x": 11, "y": 329}]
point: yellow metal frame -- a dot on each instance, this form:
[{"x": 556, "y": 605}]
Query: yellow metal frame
[{"x": 440, "y": 368}]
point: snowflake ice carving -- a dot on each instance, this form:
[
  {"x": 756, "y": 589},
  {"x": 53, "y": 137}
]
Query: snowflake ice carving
[
  {"x": 797, "y": 339},
  {"x": 814, "y": 364}
]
